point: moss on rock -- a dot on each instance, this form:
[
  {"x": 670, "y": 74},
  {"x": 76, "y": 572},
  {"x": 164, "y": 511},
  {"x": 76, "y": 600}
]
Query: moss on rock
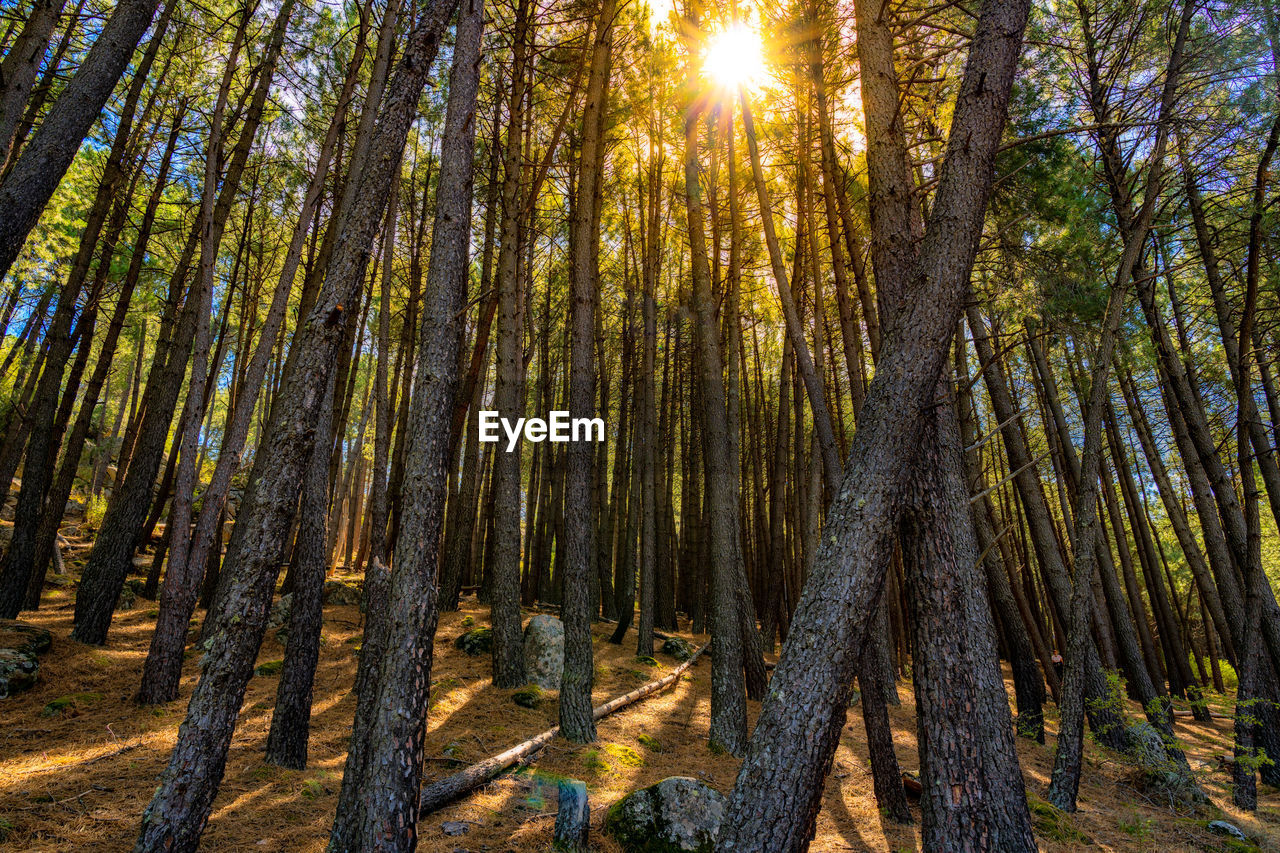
[{"x": 476, "y": 642}]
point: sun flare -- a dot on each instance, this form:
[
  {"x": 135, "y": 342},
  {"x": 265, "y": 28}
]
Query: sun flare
[{"x": 735, "y": 57}]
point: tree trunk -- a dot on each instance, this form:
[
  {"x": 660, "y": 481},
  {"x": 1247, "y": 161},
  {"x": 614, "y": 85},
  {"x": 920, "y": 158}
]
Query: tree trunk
[
  {"x": 576, "y": 721},
  {"x": 974, "y": 797},
  {"x": 180, "y": 808},
  {"x": 18, "y": 73},
  {"x": 508, "y": 639},
  {"x": 728, "y": 690},
  {"x": 45, "y": 159},
  {"x": 390, "y": 785},
  {"x": 776, "y": 799},
  {"x": 291, "y": 717}
]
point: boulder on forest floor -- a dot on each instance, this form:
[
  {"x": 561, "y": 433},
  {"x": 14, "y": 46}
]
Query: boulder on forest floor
[
  {"x": 22, "y": 637},
  {"x": 17, "y": 672},
  {"x": 340, "y": 593},
  {"x": 20, "y": 644},
  {"x": 1228, "y": 830},
  {"x": 679, "y": 648},
  {"x": 476, "y": 642},
  {"x": 1161, "y": 772},
  {"x": 278, "y": 618},
  {"x": 676, "y": 815},
  {"x": 544, "y": 651}
]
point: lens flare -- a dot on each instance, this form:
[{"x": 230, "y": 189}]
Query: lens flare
[{"x": 735, "y": 57}]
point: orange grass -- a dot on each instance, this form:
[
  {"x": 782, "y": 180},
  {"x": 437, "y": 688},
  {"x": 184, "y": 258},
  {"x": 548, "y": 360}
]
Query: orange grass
[{"x": 80, "y": 780}]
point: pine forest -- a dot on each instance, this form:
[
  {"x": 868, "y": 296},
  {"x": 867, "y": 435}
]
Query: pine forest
[{"x": 639, "y": 426}]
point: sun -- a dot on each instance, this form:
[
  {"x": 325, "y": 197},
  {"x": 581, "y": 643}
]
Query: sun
[{"x": 734, "y": 57}]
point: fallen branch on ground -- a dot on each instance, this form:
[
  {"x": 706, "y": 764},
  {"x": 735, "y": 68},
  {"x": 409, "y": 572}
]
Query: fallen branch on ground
[{"x": 446, "y": 790}]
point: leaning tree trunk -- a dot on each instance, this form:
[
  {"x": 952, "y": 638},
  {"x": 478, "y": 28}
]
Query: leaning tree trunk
[
  {"x": 779, "y": 789},
  {"x": 291, "y": 717},
  {"x": 20, "y": 567},
  {"x": 109, "y": 560},
  {"x": 18, "y": 72},
  {"x": 391, "y": 783},
  {"x": 180, "y": 808},
  {"x": 45, "y": 159}
]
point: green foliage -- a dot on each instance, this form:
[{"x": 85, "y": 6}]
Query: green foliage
[
  {"x": 624, "y": 755},
  {"x": 1113, "y": 701},
  {"x": 270, "y": 668},
  {"x": 476, "y": 642},
  {"x": 592, "y": 761},
  {"x": 1052, "y": 823},
  {"x": 529, "y": 696},
  {"x": 95, "y": 509},
  {"x": 60, "y": 706},
  {"x": 1137, "y": 826},
  {"x": 650, "y": 743},
  {"x": 1230, "y": 679}
]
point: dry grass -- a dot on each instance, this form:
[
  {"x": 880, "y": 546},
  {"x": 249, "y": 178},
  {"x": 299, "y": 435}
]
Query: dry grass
[{"x": 79, "y": 780}]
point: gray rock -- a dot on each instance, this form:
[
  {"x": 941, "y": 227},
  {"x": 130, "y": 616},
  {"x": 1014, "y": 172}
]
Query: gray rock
[
  {"x": 679, "y": 648},
  {"x": 455, "y": 827},
  {"x": 17, "y": 672},
  {"x": 544, "y": 651},
  {"x": 1160, "y": 770},
  {"x": 478, "y": 641},
  {"x": 25, "y": 638},
  {"x": 1221, "y": 827},
  {"x": 278, "y": 618},
  {"x": 677, "y": 815},
  {"x": 341, "y": 593}
]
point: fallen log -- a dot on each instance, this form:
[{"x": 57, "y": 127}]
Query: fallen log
[{"x": 448, "y": 789}]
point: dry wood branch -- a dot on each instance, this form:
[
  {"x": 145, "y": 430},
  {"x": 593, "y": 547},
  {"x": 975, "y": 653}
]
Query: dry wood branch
[{"x": 446, "y": 790}]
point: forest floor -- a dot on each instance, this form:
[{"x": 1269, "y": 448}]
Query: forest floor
[{"x": 79, "y": 779}]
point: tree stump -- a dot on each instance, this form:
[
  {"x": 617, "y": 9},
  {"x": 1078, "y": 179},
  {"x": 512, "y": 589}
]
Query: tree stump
[{"x": 573, "y": 820}]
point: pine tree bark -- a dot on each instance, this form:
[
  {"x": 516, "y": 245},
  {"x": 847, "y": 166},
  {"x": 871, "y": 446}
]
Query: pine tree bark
[
  {"x": 45, "y": 159},
  {"x": 391, "y": 782},
  {"x": 778, "y": 792},
  {"x": 180, "y": 808},
  {"x": 126, "y": 514},
  {"x": 508, "y": 639},
  {"x": 291, "y": 716},
  {"x": 576, "y": 721},
  {"x": 728, "y": 689},
  {"x": 974, "y": 797},
  {"x": 47, "y": 532},
  {"x": 1028, "y": 682},
  {"x": 21, "y": 62}
]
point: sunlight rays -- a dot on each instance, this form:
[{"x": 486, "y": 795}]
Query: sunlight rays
[{"x": 734, "y": 58}]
